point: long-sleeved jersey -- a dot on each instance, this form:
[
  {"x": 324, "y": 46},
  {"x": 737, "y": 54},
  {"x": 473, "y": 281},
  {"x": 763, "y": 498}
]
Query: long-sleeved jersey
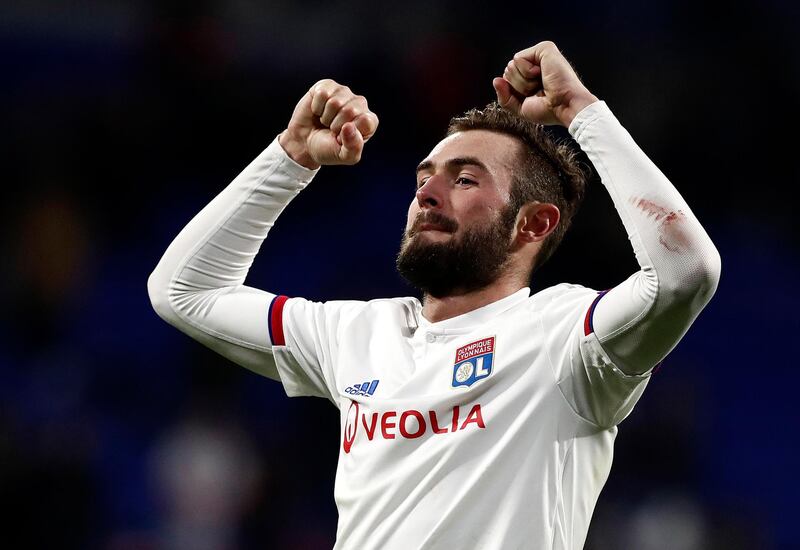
[{"x": 490, "y": 430}]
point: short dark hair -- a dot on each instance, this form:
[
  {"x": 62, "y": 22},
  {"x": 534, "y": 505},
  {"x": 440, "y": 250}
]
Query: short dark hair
[{"x": 548, "y": 172}]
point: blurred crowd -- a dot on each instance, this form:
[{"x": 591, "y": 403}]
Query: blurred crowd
[{"x": 121, "y": 119}]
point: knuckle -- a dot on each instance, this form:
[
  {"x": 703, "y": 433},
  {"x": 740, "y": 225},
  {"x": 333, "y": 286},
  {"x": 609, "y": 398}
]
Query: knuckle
[
  {"x": 336, "y": 102},
  {"x": 363, "y": 125},
  {"x": 323, "y": 84}
]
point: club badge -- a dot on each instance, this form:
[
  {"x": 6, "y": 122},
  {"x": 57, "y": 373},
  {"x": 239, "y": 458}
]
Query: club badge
[{"x": 473, "y": 362}]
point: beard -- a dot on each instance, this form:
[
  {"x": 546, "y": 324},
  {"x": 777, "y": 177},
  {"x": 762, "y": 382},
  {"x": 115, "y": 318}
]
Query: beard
[{"x": 462, "y": 264}]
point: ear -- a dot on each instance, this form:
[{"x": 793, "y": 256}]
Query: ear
[{"x": 536, "y": 220}]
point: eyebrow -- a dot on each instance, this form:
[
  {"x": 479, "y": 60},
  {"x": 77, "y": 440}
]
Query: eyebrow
[{"x": 456, "y": 162}]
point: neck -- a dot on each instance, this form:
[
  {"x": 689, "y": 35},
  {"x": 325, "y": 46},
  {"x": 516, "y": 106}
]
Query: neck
[{"x": 437, "y": 309}]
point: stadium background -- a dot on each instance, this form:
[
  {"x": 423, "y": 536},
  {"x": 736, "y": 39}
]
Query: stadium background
[{"x": 121, "y": 119}]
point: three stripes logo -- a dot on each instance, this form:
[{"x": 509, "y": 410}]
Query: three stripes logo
[{"x": 365, "y": 388}]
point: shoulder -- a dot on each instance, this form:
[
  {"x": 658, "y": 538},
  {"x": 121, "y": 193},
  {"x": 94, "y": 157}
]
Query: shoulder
[
  {"x": 562, "y": 307},
  {"x": 346, "y": 311},
  {"x": 561, "y": 296}
]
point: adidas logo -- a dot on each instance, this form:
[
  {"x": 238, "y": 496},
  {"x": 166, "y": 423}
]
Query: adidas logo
[{"x": 365, "y": 388}]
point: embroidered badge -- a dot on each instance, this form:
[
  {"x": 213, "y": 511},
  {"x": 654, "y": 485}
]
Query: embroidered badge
[{"x": 473, "y": 362}]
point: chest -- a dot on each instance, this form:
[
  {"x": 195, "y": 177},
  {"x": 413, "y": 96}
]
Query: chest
[
  {"x": 434, "y": 394},
  {"x": 380, "y": 361}
]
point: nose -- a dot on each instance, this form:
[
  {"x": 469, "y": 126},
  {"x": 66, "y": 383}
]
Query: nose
[{"x": 429, "y": 195}]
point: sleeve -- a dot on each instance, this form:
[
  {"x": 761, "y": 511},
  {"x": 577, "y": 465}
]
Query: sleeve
[
  {"x": 198, "y": 285},
  {"x": 306, "y": 345},
  {"x": 595, "y": 388},
  {"x": 637, "y": 323}
]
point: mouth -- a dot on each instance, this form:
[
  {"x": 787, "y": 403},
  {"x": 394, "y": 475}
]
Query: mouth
[
  {"x": 432, "y": 227},
  {"x": 432, "y": 223}
]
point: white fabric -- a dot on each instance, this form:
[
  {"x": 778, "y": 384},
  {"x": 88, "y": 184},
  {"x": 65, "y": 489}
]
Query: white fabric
[
  {"x": 198, "y": 284},
  {"x": 529, "y": 478},
  {"x": 532, "y": 446},
  {"x": 642, "y": 319}
]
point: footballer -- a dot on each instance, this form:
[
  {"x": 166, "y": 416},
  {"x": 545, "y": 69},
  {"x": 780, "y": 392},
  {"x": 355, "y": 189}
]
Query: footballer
[{"x": 481, "y": 416}]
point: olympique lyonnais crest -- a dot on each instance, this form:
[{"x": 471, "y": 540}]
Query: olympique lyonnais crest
[{"x": 473, "y": 362}]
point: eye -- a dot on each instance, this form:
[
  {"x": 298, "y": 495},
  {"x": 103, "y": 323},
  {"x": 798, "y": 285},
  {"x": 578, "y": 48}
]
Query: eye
[
  {"x": 421, "y": 182},
  {"x": 461, "y": 180}
]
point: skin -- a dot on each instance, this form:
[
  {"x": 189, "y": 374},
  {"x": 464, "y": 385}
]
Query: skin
[
  {"x": 471, "y": 195},
  {"x": 331, "y": 124}
]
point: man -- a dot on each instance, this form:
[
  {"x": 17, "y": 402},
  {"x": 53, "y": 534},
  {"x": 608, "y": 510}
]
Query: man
[{"x": 482, "y": 417}]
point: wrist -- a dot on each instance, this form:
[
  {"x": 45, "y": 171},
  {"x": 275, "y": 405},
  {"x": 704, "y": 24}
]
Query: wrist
[
  {"x": 297, "y": 151},
  {"x": 575, "y": 105}
]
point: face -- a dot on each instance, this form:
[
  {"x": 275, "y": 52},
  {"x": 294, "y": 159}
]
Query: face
[{"x": 459, "y": 232}]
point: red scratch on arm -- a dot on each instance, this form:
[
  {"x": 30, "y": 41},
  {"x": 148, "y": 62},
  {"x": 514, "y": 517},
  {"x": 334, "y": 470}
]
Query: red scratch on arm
[{"x": 672, "y": 236}]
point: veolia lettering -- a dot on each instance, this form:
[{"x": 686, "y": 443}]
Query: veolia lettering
[{"x": 409, "y": 424}]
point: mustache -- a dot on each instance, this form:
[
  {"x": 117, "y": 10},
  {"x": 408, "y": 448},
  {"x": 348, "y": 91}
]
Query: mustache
[{"x": 434, "y": 218}]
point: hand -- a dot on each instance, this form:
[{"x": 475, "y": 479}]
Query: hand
[
  {"x": 541, "y": 85},
  {"x": 329, "y": 125}
]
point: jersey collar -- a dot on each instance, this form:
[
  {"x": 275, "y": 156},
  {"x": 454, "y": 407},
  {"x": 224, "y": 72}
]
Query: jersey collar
[{"x": 474, "y": 317}]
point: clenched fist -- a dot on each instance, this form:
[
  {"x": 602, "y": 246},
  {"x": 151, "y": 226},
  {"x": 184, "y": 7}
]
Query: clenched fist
[
  {"x": 541, "y": 85},
  {"x": 329, "y": 125}
]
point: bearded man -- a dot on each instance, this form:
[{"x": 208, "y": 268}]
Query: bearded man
[{"x": 482, "y": 417}]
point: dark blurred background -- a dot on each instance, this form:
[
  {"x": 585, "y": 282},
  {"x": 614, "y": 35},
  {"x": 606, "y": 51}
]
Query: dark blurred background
[{"x": 122, "y": 118}]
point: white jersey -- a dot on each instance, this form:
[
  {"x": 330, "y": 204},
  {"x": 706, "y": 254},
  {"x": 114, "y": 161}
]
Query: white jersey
[{"x": 490, "y": 430}]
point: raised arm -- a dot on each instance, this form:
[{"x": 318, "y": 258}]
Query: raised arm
[
  {"x": 198, "y": 286},
  {"x": 641, "y": 320}
]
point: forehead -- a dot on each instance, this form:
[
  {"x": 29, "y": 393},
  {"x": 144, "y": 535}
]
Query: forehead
[{"x": 497, "y": 151}]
